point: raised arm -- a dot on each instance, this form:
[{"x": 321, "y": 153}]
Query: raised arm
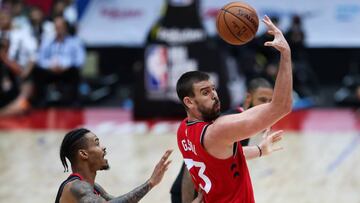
[
  {"x": 231, "y": 128},
  {"x": 83, "y": 192}
]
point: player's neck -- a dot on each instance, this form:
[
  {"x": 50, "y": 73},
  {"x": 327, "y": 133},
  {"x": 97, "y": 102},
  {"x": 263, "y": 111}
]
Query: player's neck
[
  {"x": 193, "y": 117},
  {"x": 86, "y": 173}
]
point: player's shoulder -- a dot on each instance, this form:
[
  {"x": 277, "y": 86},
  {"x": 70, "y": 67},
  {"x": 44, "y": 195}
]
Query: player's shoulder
[
  {"x": 79, "y": 187},
  {"x": 79, "y": 190},
  {"x": 187, "y": 125},
  {"x": 73, "y": 189},
  {"x": 197, "y": 124}
]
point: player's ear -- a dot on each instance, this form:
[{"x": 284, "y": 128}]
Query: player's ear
[
  {"x": 83, "y": 154},
  {"x": 188, "y": 102}
]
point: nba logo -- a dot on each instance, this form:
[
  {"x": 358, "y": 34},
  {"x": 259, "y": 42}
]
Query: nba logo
[{"x": 156, "y": 69}]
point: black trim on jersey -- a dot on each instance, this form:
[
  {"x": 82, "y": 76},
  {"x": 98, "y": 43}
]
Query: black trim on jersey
[
  {"x": 189, "y": 123},
  {"x": 202, "y": 134},
  {"x": 235, "y": 148},
  {"x": 69, "y": 179}
]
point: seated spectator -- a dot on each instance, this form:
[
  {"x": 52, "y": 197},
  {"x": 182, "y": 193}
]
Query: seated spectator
[
  {"x": 39, "y": 28},
  {"x": 59, "y": 61},
  {"x": 18, "y": 53},
  {"x": 8, "y": 87},
  {"x": 19, "y": 18}
]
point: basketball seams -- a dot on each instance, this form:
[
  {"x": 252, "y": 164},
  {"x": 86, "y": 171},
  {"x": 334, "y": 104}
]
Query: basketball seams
[
  {"x": 247, "y": 25},
  {"x": 246, "y": 8},
  {"x": 230, "y": 29},
  {"x": 240, "y": 26},
  {"x": 218, "y": 27},
  {"x": 241, "y": 6}
]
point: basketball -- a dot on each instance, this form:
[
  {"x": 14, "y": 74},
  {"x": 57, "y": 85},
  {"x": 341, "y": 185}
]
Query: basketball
[{"x": 237, "y": 23}]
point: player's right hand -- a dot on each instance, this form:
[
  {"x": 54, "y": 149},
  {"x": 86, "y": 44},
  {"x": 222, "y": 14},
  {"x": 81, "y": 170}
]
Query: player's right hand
[
  {"x": 160, "y": 169},
  {"x": 279, "y": 41}
]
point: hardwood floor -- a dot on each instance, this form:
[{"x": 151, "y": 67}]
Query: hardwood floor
[{"x": 312, "y": 167}]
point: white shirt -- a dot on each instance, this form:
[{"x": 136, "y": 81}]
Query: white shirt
[{"x": 22, "y": 48}]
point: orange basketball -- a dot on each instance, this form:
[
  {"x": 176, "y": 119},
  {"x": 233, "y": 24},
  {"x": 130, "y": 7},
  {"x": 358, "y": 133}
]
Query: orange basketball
[{"x": 237, "y": 23}]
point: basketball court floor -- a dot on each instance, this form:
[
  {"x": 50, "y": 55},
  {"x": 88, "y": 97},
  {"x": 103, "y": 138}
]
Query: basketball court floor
[{"x": 319, "y": 162}]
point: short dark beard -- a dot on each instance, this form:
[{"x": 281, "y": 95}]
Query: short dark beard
[
  {"x": 106, "y": 167},
  {"x": 209, "y": 116}
]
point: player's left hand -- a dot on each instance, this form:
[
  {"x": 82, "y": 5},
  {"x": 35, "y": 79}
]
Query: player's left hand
[{"x": 269, "y": 139}]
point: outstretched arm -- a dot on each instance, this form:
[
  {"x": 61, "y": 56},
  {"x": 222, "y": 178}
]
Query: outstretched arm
[
  {"x": 265, "y": 147},
  {"x": 232, "y": 128},
  {"x": 83, "y": 192}
]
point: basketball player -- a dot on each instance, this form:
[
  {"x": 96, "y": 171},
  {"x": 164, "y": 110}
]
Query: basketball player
[
  {"x": 210, "y": 144},
  {"x": 259, "y": 91},
  {"x": 86, "y": 156}
]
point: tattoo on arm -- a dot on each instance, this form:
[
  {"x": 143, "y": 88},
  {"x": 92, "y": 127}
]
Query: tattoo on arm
[
  {"x": 135, "y": 195},
  {"x": 83, "y": 192},
  {"x": 103, "y": 193}
]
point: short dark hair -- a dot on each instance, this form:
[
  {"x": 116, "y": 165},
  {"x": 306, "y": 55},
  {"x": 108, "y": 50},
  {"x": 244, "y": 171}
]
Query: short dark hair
[
  {"x": 72, "y": 142},
  {"x": 184, "y": 86},
  {"x": 257, "y": 83}
]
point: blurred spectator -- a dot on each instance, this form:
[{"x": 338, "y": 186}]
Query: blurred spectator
[
  {"x": 305, "y": 81},
  {"x": 36, "y": 18},
  {"x": 19, "y": 18},
  {"x": 40, "y": 29},
  {"x": 8, "y": 87},
  {"x": 18, "y": 57},
  {"x": 296, "y": 38},
  {"x": 58, "y": 9},
  {"x": 59, "y": 62},
  {"x": 348, "y": 97},
  {"x": 349, "y": 94},
  {"x": 67, "y": 10},
  {"x": 70, "y": 12}
]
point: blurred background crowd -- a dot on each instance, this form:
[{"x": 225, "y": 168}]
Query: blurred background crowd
[
  {"x": 46, "y": 59},
  {"x": 41, "y": 55}
]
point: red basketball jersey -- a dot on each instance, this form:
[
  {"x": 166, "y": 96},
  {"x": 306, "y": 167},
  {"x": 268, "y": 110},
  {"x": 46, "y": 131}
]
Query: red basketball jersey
[{"x": 221, "y": 180}]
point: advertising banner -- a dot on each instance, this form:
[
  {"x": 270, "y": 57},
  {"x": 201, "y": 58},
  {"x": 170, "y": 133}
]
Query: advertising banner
[{"x": 327, "y": 23}]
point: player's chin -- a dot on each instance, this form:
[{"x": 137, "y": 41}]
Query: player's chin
[{"x": 106, "y": 165}]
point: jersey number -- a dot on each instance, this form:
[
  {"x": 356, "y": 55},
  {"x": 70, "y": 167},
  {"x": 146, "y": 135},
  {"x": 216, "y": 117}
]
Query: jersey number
[{"x": 191, "y": 163}]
